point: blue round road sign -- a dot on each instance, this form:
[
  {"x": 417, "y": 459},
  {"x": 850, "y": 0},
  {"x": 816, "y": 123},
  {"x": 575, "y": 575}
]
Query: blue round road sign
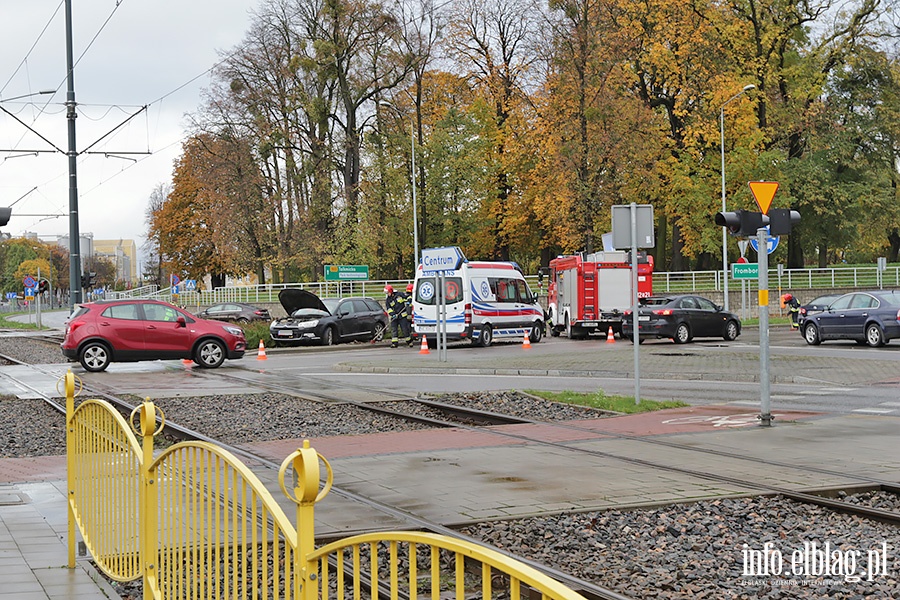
[
  {"x": 29, "y": 281},
  {"x": 771, "y": 243}
]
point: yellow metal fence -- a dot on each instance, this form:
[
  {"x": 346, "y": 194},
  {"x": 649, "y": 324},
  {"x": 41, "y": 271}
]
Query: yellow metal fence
[{"x": 195, "y": 523}]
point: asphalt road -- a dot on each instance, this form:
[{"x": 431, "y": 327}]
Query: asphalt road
[{"x": 837, "y": 377}]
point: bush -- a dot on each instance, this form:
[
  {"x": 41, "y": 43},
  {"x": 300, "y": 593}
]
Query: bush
[{"x": 255, "y": 331}]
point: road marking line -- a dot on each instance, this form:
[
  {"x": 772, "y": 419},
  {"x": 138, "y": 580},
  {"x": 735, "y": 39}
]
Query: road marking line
[
  {"x": 784, "y": 397},
  {"x": 894, "y": 404},
  {"x": 876, "y": 411}
]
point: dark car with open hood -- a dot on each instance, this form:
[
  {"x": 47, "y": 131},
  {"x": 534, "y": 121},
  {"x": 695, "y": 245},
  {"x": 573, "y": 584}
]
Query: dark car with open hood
[{"x": 329, "y": 321}]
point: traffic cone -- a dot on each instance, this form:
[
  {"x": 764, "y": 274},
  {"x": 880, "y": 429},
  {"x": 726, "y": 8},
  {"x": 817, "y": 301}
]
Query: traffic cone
[
  {"x": 610, "y": 338},
  {"x": 261, "y": 355},
  {"x": 526, "y": 343},
  {"x": 187, "y": 362},
  {"x": 423, "y": 349}
]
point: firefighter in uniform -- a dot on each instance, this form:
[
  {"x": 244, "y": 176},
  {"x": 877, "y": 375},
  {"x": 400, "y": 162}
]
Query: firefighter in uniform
[
  {"x": 396, "y": 304},
  {"x": 793, "y": 306},
  {"x": 408, "y": 322}
]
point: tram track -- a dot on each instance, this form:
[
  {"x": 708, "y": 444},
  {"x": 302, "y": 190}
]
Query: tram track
[{"x": 478, "y": 420}]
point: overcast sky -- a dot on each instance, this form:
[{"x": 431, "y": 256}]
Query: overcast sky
[{"x": 147, "y": 50}]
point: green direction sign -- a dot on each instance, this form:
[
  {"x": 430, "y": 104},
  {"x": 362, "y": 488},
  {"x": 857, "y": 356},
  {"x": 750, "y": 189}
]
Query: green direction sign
[
  {"x": 346, "y": 272},
  {"x": 745, "y": 270}
]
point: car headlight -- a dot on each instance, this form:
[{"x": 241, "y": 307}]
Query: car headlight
[
  {"x": 307, "y": 324},
  {"x": 234, "y": 330}
]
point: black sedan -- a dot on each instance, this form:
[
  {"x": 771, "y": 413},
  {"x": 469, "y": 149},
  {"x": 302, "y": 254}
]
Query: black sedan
[
  {"x": 682, "y": 318},
  {"x": 235, "y": 311},
  {"x": 871, "y": 318},
  {"x": 328, "y": 321}
]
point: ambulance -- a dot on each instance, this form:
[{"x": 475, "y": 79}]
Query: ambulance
[{"x": 485, "y": 301}]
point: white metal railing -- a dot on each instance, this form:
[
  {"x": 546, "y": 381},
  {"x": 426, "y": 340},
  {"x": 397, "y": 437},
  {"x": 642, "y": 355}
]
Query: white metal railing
[{"x": 663, "y": 283}]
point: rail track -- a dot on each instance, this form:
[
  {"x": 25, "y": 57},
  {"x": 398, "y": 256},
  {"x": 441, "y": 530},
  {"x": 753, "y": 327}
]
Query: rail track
[{"x": 468, "y": 418}]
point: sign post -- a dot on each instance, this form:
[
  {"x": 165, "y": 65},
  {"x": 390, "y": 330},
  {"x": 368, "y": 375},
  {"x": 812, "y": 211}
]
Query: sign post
[
  {"x": 633, "y": 233},
  {"x": 436, "y": 262},
  {"x": 765, "y": 416}
]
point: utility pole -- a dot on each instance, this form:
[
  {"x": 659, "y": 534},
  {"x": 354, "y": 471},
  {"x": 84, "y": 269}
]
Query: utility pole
[{"x": 74, "y": 234}]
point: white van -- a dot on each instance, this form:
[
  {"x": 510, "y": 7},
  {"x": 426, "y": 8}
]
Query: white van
[{"x": 485, "y": 301}]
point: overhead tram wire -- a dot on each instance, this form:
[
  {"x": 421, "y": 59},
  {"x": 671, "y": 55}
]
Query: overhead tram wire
[{"x": 30, "y": 50}]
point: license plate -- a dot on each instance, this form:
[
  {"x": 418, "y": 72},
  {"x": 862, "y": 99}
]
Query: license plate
[
  {"x": 643, "y": 317},
  {"x": 425, "y": 327},
  {"x": 590, "y": 324},
  {"x": 283, "y": 333}
]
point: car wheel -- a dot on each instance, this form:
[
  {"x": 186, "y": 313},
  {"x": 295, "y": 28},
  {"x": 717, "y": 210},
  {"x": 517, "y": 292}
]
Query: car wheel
[
  {"x": 731, "y": 331},
  {"x": 378, "y": 332},
  {"x": 874, "y": 335},
  {"x": 210, "y": 354},
  {"x": 811, "y": 335},
  {"x": 95, "y": 357},
  {"x": 682, "y": 334},
  {"x": 486, "y": 337},
  {"x": 537, "y": 333},
  {"x": 328, "y": 336},
  {"x": 243, "y": 321}
]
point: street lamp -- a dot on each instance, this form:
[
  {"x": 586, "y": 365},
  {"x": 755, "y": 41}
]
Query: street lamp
[{"x": 747, "y": 88}]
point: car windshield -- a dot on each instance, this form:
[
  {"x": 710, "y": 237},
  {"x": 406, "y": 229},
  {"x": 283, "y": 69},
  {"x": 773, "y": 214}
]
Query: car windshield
[{"x": 331, "y": 304}]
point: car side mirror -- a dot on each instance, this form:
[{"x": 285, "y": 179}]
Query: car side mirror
[{"x": 181, "y": 322}]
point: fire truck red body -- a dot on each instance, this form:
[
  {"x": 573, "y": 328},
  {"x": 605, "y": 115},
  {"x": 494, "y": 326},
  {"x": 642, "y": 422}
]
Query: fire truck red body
[{"x": 588, "y": 294}]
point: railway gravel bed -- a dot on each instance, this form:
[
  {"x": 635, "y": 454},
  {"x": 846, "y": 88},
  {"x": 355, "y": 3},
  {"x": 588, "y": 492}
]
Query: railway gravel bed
[
  {"x": 32, "y": 351},
  {"x": 697, "y": 551}
]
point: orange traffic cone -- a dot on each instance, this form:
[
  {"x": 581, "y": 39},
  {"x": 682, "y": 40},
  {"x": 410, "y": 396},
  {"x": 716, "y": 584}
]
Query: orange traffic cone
[
  {"x": 187, "y": 362},
  {"x": 610, "y": 338},
  {"x": 423, "y": 349},
  {"x": 526, "y": 343},
  {"x": 261, "y": 355}
]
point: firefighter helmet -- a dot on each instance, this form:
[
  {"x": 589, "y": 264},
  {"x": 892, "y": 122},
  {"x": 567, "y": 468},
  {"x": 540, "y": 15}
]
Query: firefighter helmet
[
  {"x": 788, "y": 297},
  {"x": 388, "y": 290},
  {"x": 409, "y": 287}
]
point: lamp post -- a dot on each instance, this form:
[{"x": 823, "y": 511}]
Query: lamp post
[{"x": 747, "y": 88}]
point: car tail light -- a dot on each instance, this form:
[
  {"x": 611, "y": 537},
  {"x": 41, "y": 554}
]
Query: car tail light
[
  {"x": 898, "y": 315},
  {"x": 627, "y": 313},
  {"x": 467, "y": 314},
  {"x": 71, "y": 327},
  {"x": 258, "y": 313},
  {"x": 803, "y": 311},
  {"x": 665, "y": 312}
]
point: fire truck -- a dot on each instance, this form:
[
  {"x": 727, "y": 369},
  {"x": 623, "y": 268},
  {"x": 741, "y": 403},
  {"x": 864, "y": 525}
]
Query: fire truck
[{"x": 590, "y": 293}]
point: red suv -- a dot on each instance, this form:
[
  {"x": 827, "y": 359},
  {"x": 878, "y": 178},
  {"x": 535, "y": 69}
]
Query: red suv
[{"x": 99, "y": 333}]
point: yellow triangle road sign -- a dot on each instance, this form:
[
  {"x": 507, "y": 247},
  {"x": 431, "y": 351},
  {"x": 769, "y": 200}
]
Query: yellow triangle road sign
[{"x": 763, "y": 192}]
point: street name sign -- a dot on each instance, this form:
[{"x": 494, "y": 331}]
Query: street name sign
[
  {"x": 435, "y": 260},
  {"x": 745, "y": 270}
]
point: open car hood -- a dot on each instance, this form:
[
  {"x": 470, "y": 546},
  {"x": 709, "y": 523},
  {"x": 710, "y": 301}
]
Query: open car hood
[{"x": 293, "y": 299}]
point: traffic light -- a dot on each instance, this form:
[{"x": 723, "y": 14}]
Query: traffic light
[
  {"x": 742, "y": 222},
  {"x": 5, "y": 214},
  {"x": 781, "y": 220},
  {"x": 88, "y": 279}
]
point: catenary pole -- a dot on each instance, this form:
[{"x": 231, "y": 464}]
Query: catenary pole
[{"x": 74, "y": 234}]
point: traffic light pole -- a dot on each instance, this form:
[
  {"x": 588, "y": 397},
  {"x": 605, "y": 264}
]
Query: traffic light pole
[{"x": 765, "y": 416}]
